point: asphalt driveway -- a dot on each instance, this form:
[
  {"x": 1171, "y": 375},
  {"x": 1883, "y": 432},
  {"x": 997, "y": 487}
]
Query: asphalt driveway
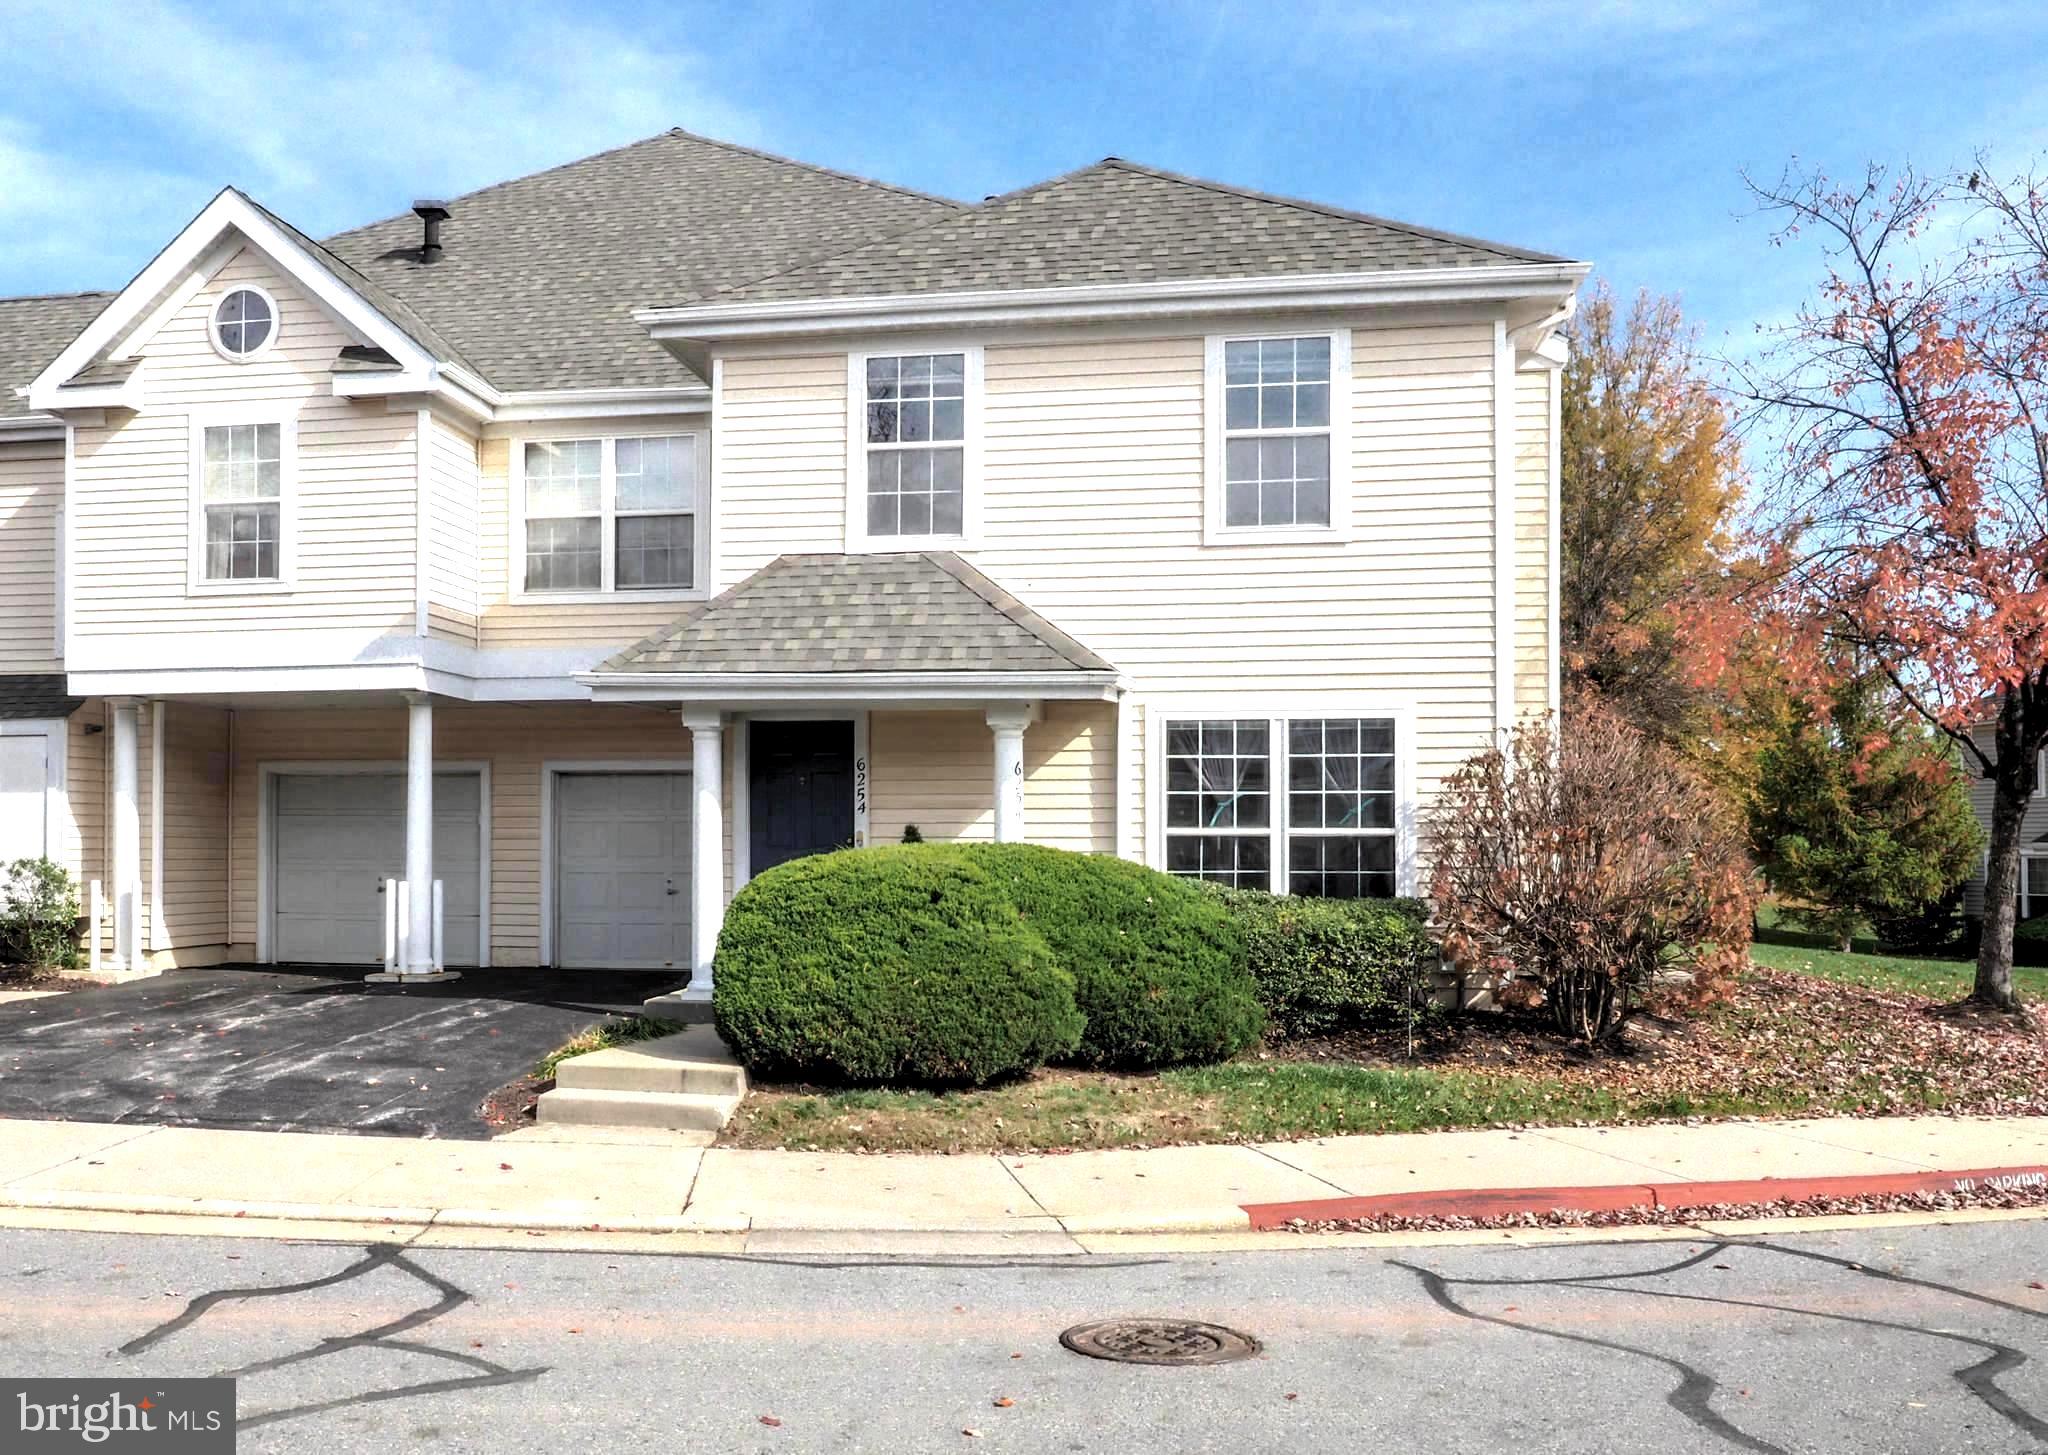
[{"x": 297, "y": 1048}]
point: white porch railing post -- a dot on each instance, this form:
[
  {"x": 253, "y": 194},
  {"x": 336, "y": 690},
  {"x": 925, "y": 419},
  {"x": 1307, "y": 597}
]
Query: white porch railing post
[
  {"x": 1008, "y": 721},
  {"x": 419, "y": 836},
  {"x": 392, "y": 889},
  {"x": 440, "y": 960},
  {"x": 127, "y": 835},
  {"x": 96, "y": 909},
  {"x": 707, "y": 845}
]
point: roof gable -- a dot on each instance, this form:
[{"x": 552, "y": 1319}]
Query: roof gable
[
  {"x": 915, "y": 611},
  {"x": 1119, "y": 222},
  {"x": 538, "y": 277},
  {"x": 228, "y": 224}
]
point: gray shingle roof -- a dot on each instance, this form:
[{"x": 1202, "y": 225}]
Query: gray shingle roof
[
  {"x": 539, "y": 276},
  {"x": 33, "y": 331},
  {"x": 1118, "y": 222},
  {"x": 35, "y": 694},
  {"x": 914, "y": 611}
]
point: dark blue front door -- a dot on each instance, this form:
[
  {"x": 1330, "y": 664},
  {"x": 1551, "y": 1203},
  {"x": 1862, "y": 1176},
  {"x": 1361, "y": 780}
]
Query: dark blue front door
[{"x": 799, "y": 790}]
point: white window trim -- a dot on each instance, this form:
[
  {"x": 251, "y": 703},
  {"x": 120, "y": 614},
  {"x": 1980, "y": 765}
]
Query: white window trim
[
  {"x": 1277, "y": 712},
  {"x": 608, "y": 545},
  {"x": 213, "y": 323},
  {"x": 285, "y": 417},
  {"x": 857, "y": 537},
  {"x": 2041, "y": 773},
  {"x": 1214, "y": 531},
  {"x": 2021, "y": 887}
]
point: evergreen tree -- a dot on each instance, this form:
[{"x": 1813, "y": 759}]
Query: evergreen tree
[{"x": 1859, "y": 813}]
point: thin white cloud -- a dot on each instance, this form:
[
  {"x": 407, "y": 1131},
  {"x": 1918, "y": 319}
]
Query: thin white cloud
[{"x": 332, "y": 117}]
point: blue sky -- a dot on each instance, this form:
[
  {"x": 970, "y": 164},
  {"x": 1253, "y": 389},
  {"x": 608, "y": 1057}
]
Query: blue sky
[{"x": 1603, "y": 129}]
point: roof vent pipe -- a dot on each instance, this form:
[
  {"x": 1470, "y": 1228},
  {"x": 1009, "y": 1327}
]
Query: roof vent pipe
[{"x": 431, "y": 214}]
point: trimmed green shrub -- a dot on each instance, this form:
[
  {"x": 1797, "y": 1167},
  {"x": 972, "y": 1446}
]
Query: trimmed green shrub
[
  {"x": 38, "y": 915},
  {"x": 902, "y": 963},
  {"x": 1322, "y": 965},
  {"x": 1158, "y": 965}
]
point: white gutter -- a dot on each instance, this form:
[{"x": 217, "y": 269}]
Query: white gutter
[
  {"x": 786, "y": 317},
  {"x": 845, "y": 686}
]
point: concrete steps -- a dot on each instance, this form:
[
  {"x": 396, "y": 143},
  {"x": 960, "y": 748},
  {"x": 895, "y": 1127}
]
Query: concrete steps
[{"x": 685, "y": 1082}]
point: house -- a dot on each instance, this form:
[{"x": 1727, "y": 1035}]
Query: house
[
  {"x": 587, "y": 544},
  {"x": 2033, "y": 882}
]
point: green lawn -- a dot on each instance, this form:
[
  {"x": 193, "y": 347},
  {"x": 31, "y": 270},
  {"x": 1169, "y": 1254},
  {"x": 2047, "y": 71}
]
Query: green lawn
[
  {"x": 1935, "y": 979},
  {"x": 1794, "y": 1042}
]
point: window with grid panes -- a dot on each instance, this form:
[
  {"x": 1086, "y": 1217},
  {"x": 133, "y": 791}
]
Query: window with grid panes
[{"x": 916, "y": 430}]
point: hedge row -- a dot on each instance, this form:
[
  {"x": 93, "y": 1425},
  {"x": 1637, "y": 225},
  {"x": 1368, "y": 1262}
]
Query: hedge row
[{"x": 947, "y": 964}]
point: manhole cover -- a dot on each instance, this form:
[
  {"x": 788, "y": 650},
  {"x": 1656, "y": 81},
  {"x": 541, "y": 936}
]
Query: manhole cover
[{"x": 1159, "y": 1341}]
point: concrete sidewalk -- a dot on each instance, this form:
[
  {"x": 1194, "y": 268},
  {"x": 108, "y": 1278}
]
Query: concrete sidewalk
[{"x": 657, "y": 1183}]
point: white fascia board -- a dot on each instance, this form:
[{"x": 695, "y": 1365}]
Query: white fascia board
[
  {"x": 172, "y": 682},
  {"x": 228, "y": 211},
  {"x": 127, "y": 394},
  {"x": 552, "y": 404},
  {"x": 847, "y": 686},
  {"x": 402, "y": 386},
  {"x": 1221, "y": 296}
]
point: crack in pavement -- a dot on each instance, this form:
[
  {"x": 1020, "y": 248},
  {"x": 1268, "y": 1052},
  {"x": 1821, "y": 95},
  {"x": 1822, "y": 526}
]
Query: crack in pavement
[
  {"x": 376, "y": 1256},
  {"x": 1693, "y": 1395}
]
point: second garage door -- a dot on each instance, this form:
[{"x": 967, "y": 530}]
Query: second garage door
[
  {"x": 622, "y": 871},
  {"x": 335, "y": 839}
]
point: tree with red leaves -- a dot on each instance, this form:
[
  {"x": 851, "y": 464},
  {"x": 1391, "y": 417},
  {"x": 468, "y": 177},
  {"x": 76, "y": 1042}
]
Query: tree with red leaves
[{"x": 1908, "y": 522}]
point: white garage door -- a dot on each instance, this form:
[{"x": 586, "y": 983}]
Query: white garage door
[
  {"x": 337, "y": 837},
  {"x": 24, "y": 780},
  {"x": 622, "y": 871}
]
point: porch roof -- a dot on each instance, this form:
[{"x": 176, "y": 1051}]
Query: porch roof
[
  {"x": 35, "y": 695},
  {"x": 911, "y": 612}
]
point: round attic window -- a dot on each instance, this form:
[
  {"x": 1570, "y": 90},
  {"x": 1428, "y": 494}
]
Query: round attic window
[{"x": 244, "y": 323}]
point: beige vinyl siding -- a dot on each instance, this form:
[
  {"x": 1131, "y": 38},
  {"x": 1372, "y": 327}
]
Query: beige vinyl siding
[
  {"x": 1092, "y": 511},
  {"x": 506, "y": 621},
  {"x": 85, "y": 792},
  {"x": 31, "y": 495},
  {"x": 192, "y": 909},
  {"x": 1094, "y": 476},
  {"x": 1070, "y": 777},
  {"x": 933, "y": 769},
  {"x": 1532, "y": 539},
  {"x": 451, "y": 533},
  {"x": 937, "y": 770},
  {"x": 514, "y": 739},
  {"x": 781, "y": 461},
  {"x": 356, "y": 529}
]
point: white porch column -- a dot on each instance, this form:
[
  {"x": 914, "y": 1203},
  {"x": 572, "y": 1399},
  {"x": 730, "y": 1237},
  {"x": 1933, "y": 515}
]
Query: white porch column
[
  {"x": 707, "y": 846},
  {"x": 126, "y": 870},
  {"x": 1008, "y": 720},
  {"x": 419, "y": 837}
]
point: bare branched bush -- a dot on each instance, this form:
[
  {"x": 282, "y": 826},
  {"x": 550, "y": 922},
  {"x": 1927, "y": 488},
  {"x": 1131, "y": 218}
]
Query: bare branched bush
[{"x": 1583, "y": 866}]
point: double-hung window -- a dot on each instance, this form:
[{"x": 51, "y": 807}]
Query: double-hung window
[
  {"x": 241, "y": 501},
  {"x": 1278, "y": 436},
  {"x": 609, "y": 514},
  {"x": 1301, "y": 804},
  {"x": 911, "y": 472}
]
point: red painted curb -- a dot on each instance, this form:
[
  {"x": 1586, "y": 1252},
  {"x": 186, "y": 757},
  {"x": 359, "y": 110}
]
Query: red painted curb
[{"x": 1488, "y": 1202}]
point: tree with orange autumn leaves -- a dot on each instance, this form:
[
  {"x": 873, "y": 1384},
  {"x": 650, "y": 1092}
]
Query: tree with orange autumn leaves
[
  {"x": 1648, "y": 481},
  {"x": 1906, "y": 520}
]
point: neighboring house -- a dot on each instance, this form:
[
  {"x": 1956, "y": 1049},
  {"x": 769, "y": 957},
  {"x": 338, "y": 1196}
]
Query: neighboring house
[
  {"x": 2033, "y": 839},
  {"x": 1127, "y": 512}
]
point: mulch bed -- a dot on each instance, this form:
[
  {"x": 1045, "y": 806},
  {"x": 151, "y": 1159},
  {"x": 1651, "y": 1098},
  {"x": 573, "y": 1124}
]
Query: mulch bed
[
  {"x": 1839, "y": 1048},
  {"x": 514, "y": 1105},
  {"x": 1813, "y": 1207},
  {"x": 16, "y": 977}
]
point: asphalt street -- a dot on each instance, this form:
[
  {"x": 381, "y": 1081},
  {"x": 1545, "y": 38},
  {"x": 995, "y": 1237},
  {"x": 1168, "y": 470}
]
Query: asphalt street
[{"x": 1922, "y": 1340}]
